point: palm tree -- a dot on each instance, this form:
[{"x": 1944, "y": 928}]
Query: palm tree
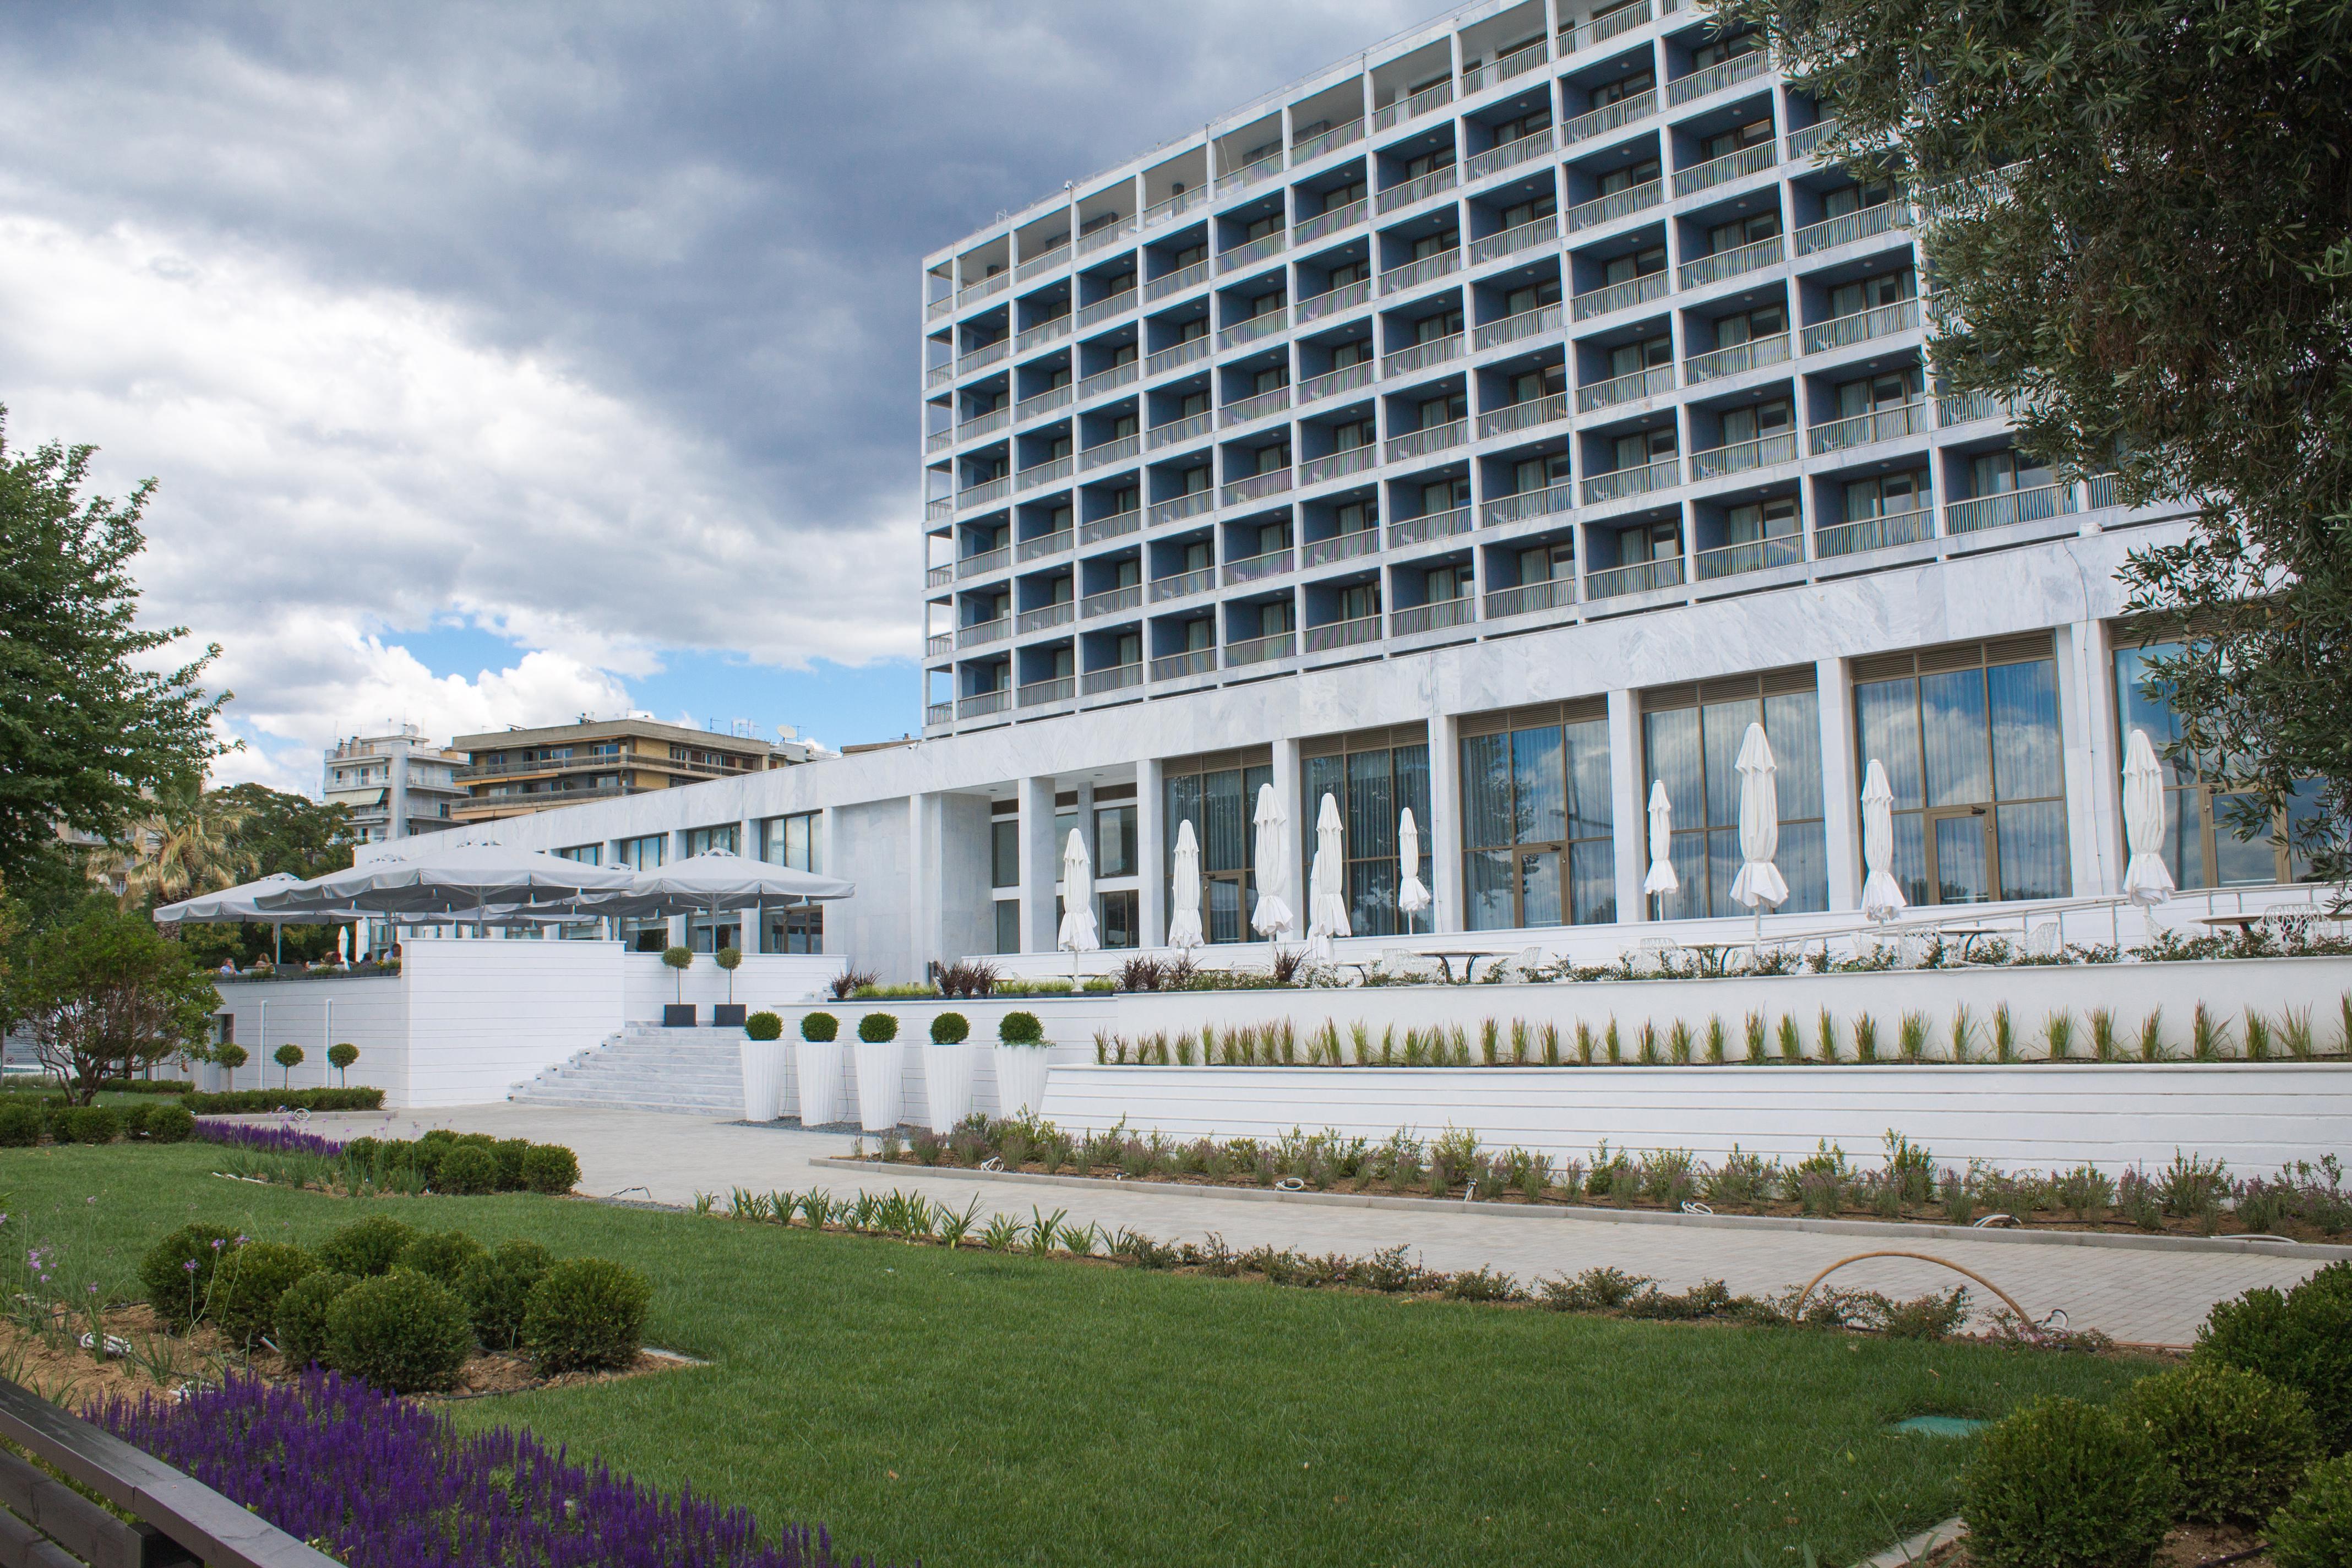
[{"x": 186, "y": 845}]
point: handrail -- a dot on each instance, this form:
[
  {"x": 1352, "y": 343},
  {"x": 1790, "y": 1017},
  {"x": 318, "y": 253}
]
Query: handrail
[
  {"x": 1332, "y": 220},
  {"x": 1526, "y": 323},
  {"x": 1739, "y": 357},
  {"x": 1625, "y": 388},
  {"x": 1609, "y": 116},
  {"x": 1176, "y": 282},
  {"x": 1615, "y": 204},
  {"x": 1730, "y": 166}
]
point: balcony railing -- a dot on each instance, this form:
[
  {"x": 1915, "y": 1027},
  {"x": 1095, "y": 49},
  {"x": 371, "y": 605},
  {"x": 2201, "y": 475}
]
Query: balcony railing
[
  {"x": 1642, "y": 577},
  {"x": 939, "y": 576},
  {"x": 1878, "y": 321},
  {"x": 1717, "y": 77},
  {"x": 938, "y": 507},
  {"x": 1615, "y": 204},
  {"x": 1045, "y": 262},
  {"x": 981, "y": 494},
  {"x": 1737, "y": 456},
  {"x": 1323, "y": 141},
  {"x": 1109, "y": 380},
  {"x": 1333, "y": 634},
  {"x": 1420, "y": 443},
  {"x": 1176, "y": 282},
  {"x": 1512, "y": 240},
  {"x": 1630, "y": 389},
  {"x": 1437, "y": 351},
  {"x": 1044, "y": 473},
  {"x": 1103, "y": 310},
  {"x": 1618, "y": 296},
  {"x": 938, "y": 441},
  {"x": 1259, "y": 650},
  {"x": 1332, "y": 465},
  {"x": 983, "y": 703},
  {"x": 1252, "y": 486},
  {"x": 1112, "y": 527},
  {"x": 1191, "y": 427},
  {"x": 1182, "y": 202},
  {"x": 1963, "y": 407},
  {"x": 1731, "y": 263},
  {"x": 1342, "y": 547},
  {"x": 1251, "y": 251},
  {"x": 1752, "y": 354},
  {"x": 1165, "y": 360},
  {"x": 1117, "y": 678},
  {"x": 1623, "y": 19},
  {"x": 939, "y": 375},
  {"x": 1332, "y": 220},
  {"x": 934, "y": 309},
  {"x": 938, "y": 713},
  {"x": 1117, "y": 451},
  {"x": 1108, "y": 235},
  {"x": 1265, "y": 326},
  {"x": 1183, "y": 584},
  {"x": 1557, "y": 593},
  {"x": 1862, "y": 430},
  {"x": 1241, "y": 411},
  {"x": 994, "y": 283},
  {"x": 1428, "y": 526},
  {"x": 1045, "y": 401},
  {"x": 1177, "y": 508},
  {"x": 1802, "y": 141},
  {"x": 1530, "y": 503},
  {"x": 2103, "y": 491},
  {"x": 1526, "y": 323},
  {"x": 1176, "y": 666},
  {"x": 2009, "y": 506},
  {"x": 1045, "y": 332},
  {"x": 1412, "y": 274},
  {"x": 1750, "y": 555},
  {"x": 939, "y": 645},
  {"x": 1331, "y": 301},
  {"x": 1434, "y": 615},
  {"x": 1251, "y": 568},
  {"x": 973, "y": 429},
  {"x": 1608, "y": 117},
  {"x": 983, "y": 356},
  {"x": 1045, "y": 545},
  {"x": 1524, "y": 415},
  {"x": 1875, "y": 533},
  {"x": 1111, "y": 601},
  {"x": 1332, "y": 383},
  {"x": 1420, "y": 103},
  {"x": 1731, "y": 166},
  {"x": 1847, "y": 227},
  {"x": 1663, "y": 474},
  {"x": 1494, "y": 159},
  {"x": 1044, "y": 617},
  {"x": 1039, "y": 692},
  {"x": 981, "y": 632},
  {"x": 1420, "y": 188}
]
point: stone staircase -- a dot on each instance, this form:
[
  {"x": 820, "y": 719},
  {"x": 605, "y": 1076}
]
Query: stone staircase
[{"x": 691, "y": 1072}]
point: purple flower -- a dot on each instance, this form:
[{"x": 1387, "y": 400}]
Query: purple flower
[{"x": 190, "y": 1265}]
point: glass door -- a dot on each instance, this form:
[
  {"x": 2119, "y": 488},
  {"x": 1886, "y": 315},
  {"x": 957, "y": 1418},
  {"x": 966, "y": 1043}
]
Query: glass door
[
  {"x": 1958, "y": 860},
  {"x": 1225, "y": 922}
]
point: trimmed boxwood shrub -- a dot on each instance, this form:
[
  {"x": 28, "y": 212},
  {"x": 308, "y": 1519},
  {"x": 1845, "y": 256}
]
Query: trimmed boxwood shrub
[
  {"x": 2238, "y": 1443},
  {"x": 467, "y": 1170},
  {"x": 1020, "y": 1029},
  {"x": 134, "y": 1120},
  {"x": 550, "y": 1168},
  {"x": 91, "y": 1124},
  {"x": 366, "y": 1246},
  {"x": 2303, "y": 1339},
  {"x": 2314, "y": 1530},
  {"x": 177, "y": 1272},
  {"x": 497, "y": 1286},
  {"x": 235, "y": 1100},
  {"x": 818, "y": 1029},
  {"x": 20, "y": 1125},
  {"x": 763, "y": 1026},
  {"x": 951, "y": 1029},
  {"x": 170, "y": 1123},
  {"x": 877, "y": 1028},
  {"x": 403, "y": 1331},
  {"x": 510, "y": 1151},
  {"x": 2061, "y": 1484},
  {"x": 445, "y": 1255},
  {"x": 301, "y": 1321},
  {"x": 247, "y": 1284},
  {"x": 587, "y": 1314}
]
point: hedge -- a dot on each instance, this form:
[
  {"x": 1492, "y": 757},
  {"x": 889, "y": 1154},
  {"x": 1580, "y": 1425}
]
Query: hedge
[{"x": 289, "y": 1100}]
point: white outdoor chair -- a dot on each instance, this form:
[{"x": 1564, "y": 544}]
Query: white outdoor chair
[
  {"x": 2042, "y": 941},
  {"x": 1910, "y": 950}
]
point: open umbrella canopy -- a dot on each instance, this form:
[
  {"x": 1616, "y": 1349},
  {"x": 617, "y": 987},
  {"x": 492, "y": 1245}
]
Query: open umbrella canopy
[
  {"x": 1184, "y": 921},
  {"x": 1411, "y": 896},
  {"x": 1882, "y": 895},
  {"x": 1759, "y": 881},
  {"x": 1077, "y": 933},
  {"x": 446, "y": 879},
  {"x": 714, "y": 879},
  {"x": 1662, "y": 877},
  {"x": 1272, "y": 917},
  {"x": 2147, "y": 882},
  {"x": 235, "y": 904},
  {"x": 1326, "y": 891}
]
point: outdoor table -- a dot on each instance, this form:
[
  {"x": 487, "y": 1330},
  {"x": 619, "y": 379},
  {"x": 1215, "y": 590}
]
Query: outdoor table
[
  {"x": 1969, "y": 935},
  {"x": 1712, "y": 954},
  {"x": 2242, "y": 922},
  {"x": 1445, "y": 961}
]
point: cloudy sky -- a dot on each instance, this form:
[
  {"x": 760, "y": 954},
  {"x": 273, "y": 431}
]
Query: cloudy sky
[{"x": 503, "y": 362}]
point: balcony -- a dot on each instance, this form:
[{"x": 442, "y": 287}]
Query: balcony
[
  {"x": 938, "y": 441},
  {"x": 1252, "y": 251},
  {"x": 1525, "y": 599},
  {"x": 1420, "y": 188},
  {"x": 1524, "y": 415},
  {"x": 1117, "y": 678},
  {"x": 1509, "y": 155},
  {"x": 1608, "y": 118},
  {"x": 939, "y": 375},
  {"x": 1323, "y": 141},
  {"x": 1412, "y": 274},
  {"x": 1738, "y": 457},
  {"x": 1245, "y": 410},
  {"x": 1045, "y": 545},
  {"x": 1039, "y": 265},
  {"x": 1331, "y": 384},
  {"x": 1615, "y": 204},
  {"x": 1863, "y": 429},
  {"x": 983, "y": 703},
  {"x": 1117, "y": 304},
  {"x": 1966, "y": 407},
  {"x": 1436, "y": 615},
  {"x": 1624, "y": 19},
  {"x": 1249, "y": 174},
  {"x": 1619, "y": 389},
  {"x": 1420, "y": 443},
  {"x": 1332, "y": 220},
  {"x": 938, "y": 507},
  {"x": 1044, "y": 618},
  {"x": 1419, "y": 356},
  {"x": 1428, "y": 526},
  {"x": 2104, "y": 494},
  {"x": 1253, "y": 487},
  {"x": 1803, "y": 142},
  {"x": 983, "y": 632},
  {"x": 981, "y": 494},
  {"x": 1043, "y": 332},
  {"x": 1874, "y": 533},
  {"x": 1342, "y": 547},
  {"x": 1177, "y": 507},
  {"x": 1478, "y": 79},
  {"x": 1618, "y": 296},
  {"x": 1420, "y": 103},
  {"x": 1260, "y": 650},
  {"x": 1176, "y": 666},
  {"x": 1662, "y": 475},
  {"x": 1109, "y": 380},
  {"x": 1528, "y": 504},
  {"x": 939, "y": 645},
  {"x": 1332, "y": 465},
  {"x": 1526, "y": 323},
  {"x": 1848, "y": 227},
  {"x": 995, "y": 283},
  {"x": 1183, "y": 584},
  {"x": 1251, "y": 568},
  {"x": 1510, "y": 241},
  {"x": 1045, "y": 401},
  {"x": 1165, "y": 360},
  {"x": 1878, "y": 321},
  {"x": 1191, "y": 427},
  {"x": 1731, "y": 263},
  {"x": 1731, "y": 166},
  {"x": 938, "y": 713},
  {"x": 1331, "y": 301},
  {"x": 1176, "y": 282},
  {"x": 983, "y": 356},
  {"x": 1751, "y": 555},
  {"x": 1642, "y": 577},
  {"x": 1753, "y": 355},
  {"x": 981, "y": 562},
  {"x": 973, "y": 429},
  {"x": 1117, "y": 451},
  {"x": 1103, "y": 238},
  {"x": 1182, "y": 202},
  {"x": 939, "y": 576},
  {"x": 2009, "y": 506},
  {"x": 1333, "y": 634},
  {"x": 1110, "y": 602},
  {"x": 1718, "y": 76},
  {"x": 1037, "y": 693},
  {"x": 1112, "y": 527},
  {"x": 934, "y": 309},
  {"x": 1045, "y": 473}
]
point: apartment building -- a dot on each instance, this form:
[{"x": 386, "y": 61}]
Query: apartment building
[
  {"x": 395, "y": 786},
  {"x": 517, "y": 771}
]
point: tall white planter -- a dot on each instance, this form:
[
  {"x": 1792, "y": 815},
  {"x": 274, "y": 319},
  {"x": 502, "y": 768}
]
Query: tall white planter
[
  {"x": 881, "y": 1083},
  {"x": 818, "y": 1064},
  {"x": 946, "y": 1085},
  {"x": 763, "y": 1078},
  {"x": 1020, "y": 1079}
]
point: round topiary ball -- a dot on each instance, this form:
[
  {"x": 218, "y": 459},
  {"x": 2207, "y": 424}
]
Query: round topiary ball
[
  {"x": 951, "y": 1029},
  {"x": 2239, "y": 1444},
  {"x": 2314, "y": 1529},
  {"x": 445, "y": 1255},
  {"x": 467, "y": 1171},
  {"x": 763, "y": 1026},
  {"x": 170, "y": 1124},
  {"x": 301, "y": 1325},
  {"x": 497, "y": 1286},
  {"x": 820, "y": 1028},
  {"x": 510, "y": 1151},
  {"x": 2303, "y": 1339},
  {"x": 366, "y": 1247},
  {"x": 550, "y": 1168},
  {"x": 20, "y": 1126},
  {"x": 586, "y": 1315},
  {"x": 877, "y": 1028},
  {"x": 177, "y": 1272},
  {"x": 2061, "y": 1484},
  {"x": 93, "y": 1125},
  {"x": 403, "y": 1331},
  {"x": 1020, "y": 1028},
  {"x": 247, "y": 1284}
]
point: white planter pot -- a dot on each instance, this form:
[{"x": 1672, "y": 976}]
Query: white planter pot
[
  {"x": 1020, "y": 1079},
  {"x": 946, "y": 1085},
  {"x": 818, "y": 1065},
  {"x": 881, "y": 1084},
  {"x": 763, "y": 1078}
]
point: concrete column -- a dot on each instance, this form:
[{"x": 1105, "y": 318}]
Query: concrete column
[
  {"x": 1840, "y": 784},
  {"x": 1441, "y": 836},
  {"x": 2086, "y": 728},
  {"x": 1150, "y": 854},
  {"x": 1040, "y": 864},
  {"x": 1288, "y": 781},
  {"x": 1625, "y": 805},
  {"x": 925, "y": 907}
]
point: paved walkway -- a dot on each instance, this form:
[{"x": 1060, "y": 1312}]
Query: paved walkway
[{"x": 2137, "y": 1295}]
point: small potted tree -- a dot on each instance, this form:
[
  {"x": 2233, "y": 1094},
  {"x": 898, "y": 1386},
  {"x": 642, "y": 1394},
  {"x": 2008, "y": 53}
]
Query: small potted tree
[
  {"x": 946, "y": 1072},
  {"x": 763, "y": 1053},
  {"x": 816, "y": 1063},
  {"x": 728, "y": 1015},
  {"x": 678, "y": 1014},
  {"x": 340, "y": 1055},
  {"x": 1020, "y": 1057},
  {"x": 289, "y": 1057},
  {"x": 881, "y": 1072},
  {"x": 231, "y": 1057}
]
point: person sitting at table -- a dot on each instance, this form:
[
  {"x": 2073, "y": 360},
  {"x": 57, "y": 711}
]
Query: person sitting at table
[{"x": 229, "y": 965}]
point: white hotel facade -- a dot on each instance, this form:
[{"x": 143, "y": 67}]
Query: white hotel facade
[{"x": 1493, "y": 423}]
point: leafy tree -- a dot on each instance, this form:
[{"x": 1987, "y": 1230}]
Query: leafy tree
[
  {"x": 105, "y": 995},
  {"x": 189, "y": 842},
  {"x": 2138, "y": 216},
  {"x": 275, "y": 831},
  {"x": 84, "y": 727}
]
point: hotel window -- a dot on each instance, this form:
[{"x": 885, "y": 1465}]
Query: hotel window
[
  {"x": 1115, "y": 841},
  {"x": 1359, "y": 351},
  {"x": 1691, "y": 737},
  {"x": 1640, "y": 264},
  {"x": 586, "y": 854},
  {"x": 1887, "y": 288},
  {"x": 703, "y": 840},
  {"x": 1853, "y": 198},
  {"x": 647, "y": 934},
  {"x": 1728, "y": 48},
  {"x": 1008, "y": 925},
  {"x": 1724, "y": 144},
  {"x": 1536, "y": 817},
  {"x": 1519, "y": 214},
  {"x": 795, "y": 841},
  {"x": 797, "y": 929},
  {"x": 1531, "y": 297},
  {"x": 1372, "y": 775},
  {"x": 1116, "y": 921},
  {"x": 1632, "y": 358},
  {"x": 1968, "y": 737},
  {"x": 1217, "y": 794},
  {"x": 2201, "y": 846},
  {"x": 1741, "y": 231},
  {"x": 1539, "y": 473},
  {"x": 1630, "y": 177},
  {"x": 1005, "y": 852},
  {"x": 1624, "y": 87},
  {"x": 1746, "y": 326},
  {"x": 1753, "y": 520},
  {"x": 1888, "y": 495}
]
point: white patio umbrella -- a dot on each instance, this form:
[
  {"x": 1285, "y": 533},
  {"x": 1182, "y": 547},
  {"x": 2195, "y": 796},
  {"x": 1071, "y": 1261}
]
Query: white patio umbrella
[
  {"x": 1327, "y": 890},
  {"x": 1185, "y": 922},
  {"x": 451, "y": 879},
  {"x": 1411, "y": 896},
  {"x": 714, "y": 879},
  {"x": 1272, "y": 917},
  {"x": 1759, "y": 881},
  {"x": 2147, "y": 882},
  {"x": 1882, "y": 895},
  {"x": 236, "y": 906},
  {"x": 1662, "y": 877},
  {"x": 1077, "y": 933}
]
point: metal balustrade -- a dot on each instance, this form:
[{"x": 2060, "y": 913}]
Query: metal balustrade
[
  {"x": 1045, "y": 332},
  {"x": 1333, "y": 465},
  {"x": 1521, "y": 60},
  {"x": 939, "y": 375},
  {"x": 1250, "y": 251},
  {"x": 1331, "y": 301},
  {"x": 1176, "y": 666},
  {"x": 1045, "y": 401},
  {"x": 1615, "y": 204},
  {"x": 1190, "y": 428},
  {"x": 1333, "y": 634},
  {"x": 1618, "y": 484},
  {"x": 938, "y": 441},
  {"x": 1412, "y": 274},
  {"x": 1045, "y": 545},
  {"x": 1180, "y": 507},
  {"x": 1036, "y": 266},
  {"x": 1862, "y": 430},
  {"x": 1507, "y": 154},
  {"x": 1117, "y": 678},
  {"x": 1428, "y": 526},
  {"x": 1526, "y": 323},
  {"x": 1252, "y": 487},
  {"x": 1963, "y": 407},
  {"x": 979, "y": 564},
  {"x": 1182, "y": 202},
  {"x": 1420, "y": 443},
  {"x": 1847, "y": 227},
  {"x": 981, "y": 632},
  {"x": 1241, "y": 411},
  {"x": 1183, "y": 584},
  {"x": 1510, "y": 241},
  {"x": 939, "y": 576},
  {"x": 1119, "y": 451},
  {"x": 1618, "y": 296},
  {"x": 1624, "y": 19},
  {"x": 1556, "y": 593},
  {"x": 1802, "y": 141},
  {"x": 1434, "y": 615},
  {"x": 1109, "y": 380},
  {"x": 1323, "y": 141},
  {"x": 980, "y": 704},
  {"x": 1546, "y": 502},
  {"x": 1420, "y": 188},
  {"x": 1044, "y": 617},
  {"x": 1737, "y": 456},
  {"x": 938, "y": 713},
  {"x": 1261, "y": 650},
  {"x": 1716, "y": 77},
  {"x": 1750, "y": 555},
  {"x": 1731, "y": 263},
  {"x": 1630, "y": 389},
  {"x": 1111, "y": 601},
  {"x": 983, "y": 357},
  {"x": 1420, "y": 103},
  {"x": 1165, "y": 360},
  {"x": 973, "y": 429},
  {"x": 1251, "y": 568},
  {"x": 1342, "y": 547},
  {"x": 1420, "y": 355},
  {"x": 995, "y": 283},
  {"x": 1878, "y": 321},
  {"x": 2009, "y": 506},
  {"x": 1331, "y": 384},
  {"x": 1875, "y": 533},
  {"x": 984, "y": 492},
  {"x": 1176, "y": 282},
  {"x": 938, "y": 507},
  {"x": 1731, "y": 166},
  {"x": 1333, "y": 220},
  {"x": 1523, "y": 416},
  {"x": 2103, "y": 492},
  {"x": 1608, "y": 117},
  {"x": 1039, "y": 692},
  {"x": 939, "y": 645},
  {"x": 1106, "y": 235},
  {"x": 1112, "y": 527},
  {"x": 1044, "y": 473},
  {"x": 1752, "y": 354},
  {"x": 1103, "y": 310},
  {"x": 1250, "y": 173},
  {"x": 1642, "y": 577},
  {"x": 1275, "y": 321},
  {"x": 934, "y": 309}
]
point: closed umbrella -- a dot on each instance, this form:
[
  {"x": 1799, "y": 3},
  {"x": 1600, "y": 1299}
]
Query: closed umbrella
[
  {"x": 1882, "y": 895},
  {"x": 1078, "y": 902},
  {"x": 2147, "y": 882},
  {"x": 1327, "y": 893},
  {"x": 1272, "y": 917},
  {"x": 1411, "y": 897},
  {"x": 1662, "y": 879},
  {"x": 1184, "y": 923},
  {"x": 1760, "y": 882}
]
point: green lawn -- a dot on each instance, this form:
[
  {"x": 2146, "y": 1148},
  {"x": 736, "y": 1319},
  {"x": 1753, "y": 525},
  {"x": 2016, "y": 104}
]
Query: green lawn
[{"x": 979, "y": 1408}]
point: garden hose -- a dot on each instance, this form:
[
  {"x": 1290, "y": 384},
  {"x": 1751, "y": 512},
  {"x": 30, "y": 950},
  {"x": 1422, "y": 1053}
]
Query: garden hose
[{"x": 2007, "y": 1300}]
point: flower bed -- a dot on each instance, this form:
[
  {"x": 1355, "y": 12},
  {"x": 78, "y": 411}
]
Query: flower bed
[{"x": 462, "y": 1165}]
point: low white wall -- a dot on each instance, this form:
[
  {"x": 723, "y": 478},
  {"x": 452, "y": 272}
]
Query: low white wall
[
  {"x": 369, "y": 1011},
  {"x": 485, "y": 1015},
  {"x": 764, "y": 980}
]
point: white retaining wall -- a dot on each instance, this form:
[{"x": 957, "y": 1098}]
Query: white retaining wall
[
  {"x": 369, "y": 1011},
  {"x": 764, "y": 980},
  {"x": 485, "y": 1015}
]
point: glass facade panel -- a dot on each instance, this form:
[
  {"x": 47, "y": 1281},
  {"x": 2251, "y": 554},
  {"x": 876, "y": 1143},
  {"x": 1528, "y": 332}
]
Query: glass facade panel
[
  {"x": 1008, "y": 925},
  {"x": 1369, "y": 786},
  {"x": 793, "y": 841},
  {"x": 703, "y": 840},
  {"x": 1537, "y": 818},
  {"x": 1219, "y": 806},
  {"x": 2201, "y": 847},
  {"x": 1115, "y": 841},
  {"x": 1952, "y": 722},
  {"x": 1695, "y": 753}
]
